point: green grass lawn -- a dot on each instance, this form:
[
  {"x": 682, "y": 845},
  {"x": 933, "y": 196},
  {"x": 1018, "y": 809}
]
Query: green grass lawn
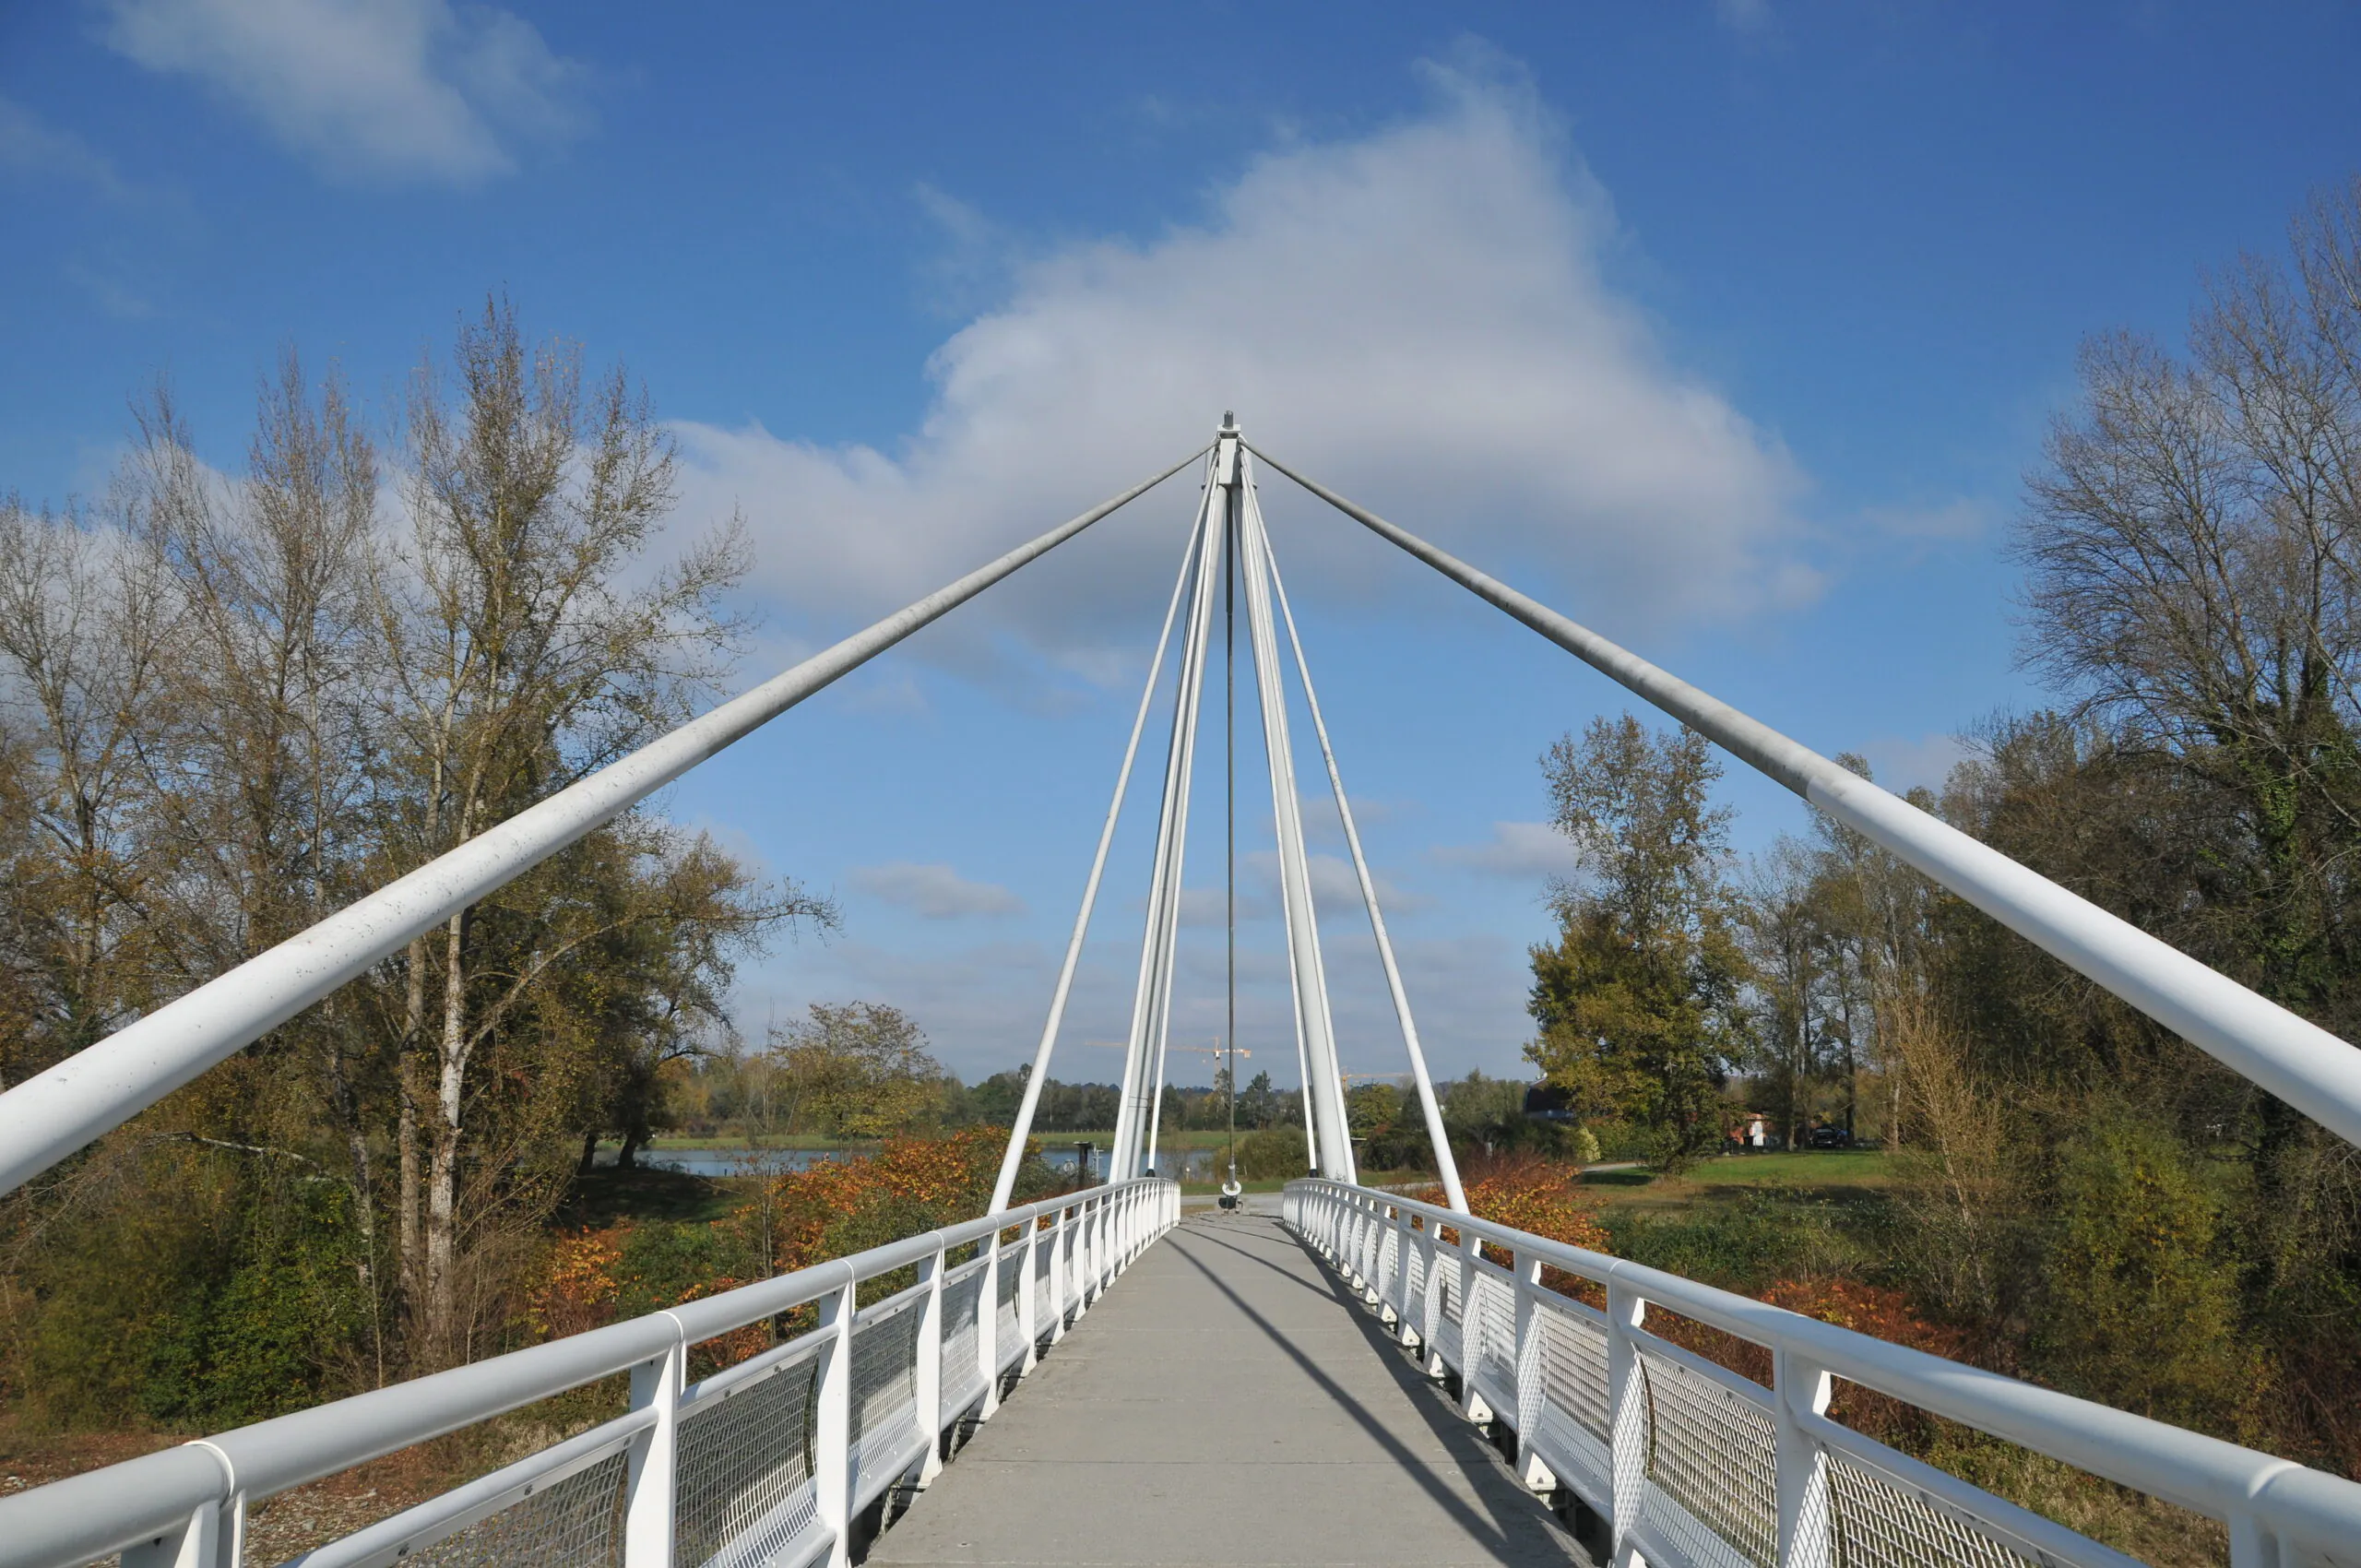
[
  {"x": 1165, "y": 1138},
  {"x": 1837, "y": 1175}
]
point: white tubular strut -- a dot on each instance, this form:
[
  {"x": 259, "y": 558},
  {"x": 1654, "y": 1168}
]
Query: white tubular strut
[
  {"x": 1151, "y": 1000},
  {"x": 2254, "y": 1037},
  {"x": 1323, "y": 1086},
  {"x": 1444, "y": 1164},
  {"x": 1012, "y": 1160},
  {"x": 49, "y": 1116}
]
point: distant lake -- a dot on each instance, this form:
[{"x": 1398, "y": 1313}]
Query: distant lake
[{"x": 727, "y": 1161}]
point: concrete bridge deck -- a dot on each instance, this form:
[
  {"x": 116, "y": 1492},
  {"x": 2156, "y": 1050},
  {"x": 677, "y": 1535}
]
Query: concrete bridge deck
[{"x": 1227, "y": 1402}]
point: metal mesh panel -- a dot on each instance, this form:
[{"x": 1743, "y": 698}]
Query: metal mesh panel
[
  {"x": 1878, "y": 1524},
  {"x": 1448, "y": 1335},
  {"x": 885, "y": 1380},
  {"x": 1710, "y": 1452},
  {"x": 1573, "y": 1367},
  {"x": 1007, "y": 1331},
  {"x": 745, "y": 1471},
  {"x": 962, "y": 1377},
  {"x": 577, "y": 1520},
  {"x": 1052, "y": 1285},
  {"x": 1495, "y": 1327},
  {"x": 1415, "y": 1261},
  {"x": 1389, "y": 1263}
]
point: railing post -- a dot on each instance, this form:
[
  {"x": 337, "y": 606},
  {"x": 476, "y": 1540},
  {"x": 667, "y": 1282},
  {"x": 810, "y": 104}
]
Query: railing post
[
  {"x": 1799, "y": 1387},
  {"x": 1104, "y": 1255},
  {"x": 1028, "y": 1296},
  {"x": 1530, "y": 1327},
  {"x": 208, "y": 1538},
  {"x": 1060, "y": 1265},
  {"x": 1471, "y": 1326},
  {"x": 653, "y": 1475},
  {"x": 2252, "y": 1543},
  {"x": 1626, "y": 1417},
  {"x": 926, "y": 1378},
  {"x": 1430, "y": 1298},
  {"x": 832, "y": 1426},
  {"x": 987, "y": 1322},
  {"x": 1402, "y": 1328}
]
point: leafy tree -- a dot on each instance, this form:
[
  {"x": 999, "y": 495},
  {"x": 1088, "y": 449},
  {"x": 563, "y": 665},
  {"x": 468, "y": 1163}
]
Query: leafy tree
[
  {"x": 1638, "y": 998},
  {"x": 860, "y": 1070}
]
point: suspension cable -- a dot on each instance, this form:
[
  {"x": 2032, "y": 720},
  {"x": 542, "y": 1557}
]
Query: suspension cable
[
  {"x": 51, "y": 1114},
  {"x": 1445, "y": 1165},
  {"x": 2263, "y": 1043},
  {"x": 1014, "y": 1157},
  {"x": 1229, "y": 806}
]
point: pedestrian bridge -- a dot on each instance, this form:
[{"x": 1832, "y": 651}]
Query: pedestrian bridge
[
  {"x": 1358, "y": 1378},
  {"x": 1353, "y": 1377}
]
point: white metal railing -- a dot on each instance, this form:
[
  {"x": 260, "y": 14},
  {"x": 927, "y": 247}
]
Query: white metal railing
[
  {"x": 768, "y": 1462},
  {"x": 1690, "y": 1465}
]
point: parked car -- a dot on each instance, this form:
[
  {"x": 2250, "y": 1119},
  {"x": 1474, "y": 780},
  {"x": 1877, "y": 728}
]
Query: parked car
[{"x": 1829, "y": 1137}]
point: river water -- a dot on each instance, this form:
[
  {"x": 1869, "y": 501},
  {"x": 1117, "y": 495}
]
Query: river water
[{"x": 1189, "y": 1164}]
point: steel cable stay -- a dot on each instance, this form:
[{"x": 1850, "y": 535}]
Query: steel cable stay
[
  {"x": 2262, "y": 1041},
  {"x": 1229, "y": 536},
  {"x": 1010, "y": 1162},
  {"x": 57, "y": 1111},
  {"x": 1446, "y": 1166},
  {"x": 1162, "y": 924}
]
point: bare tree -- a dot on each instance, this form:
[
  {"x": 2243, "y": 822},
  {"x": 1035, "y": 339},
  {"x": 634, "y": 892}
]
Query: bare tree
[
  {"x": 528, "y": 644},
  {"x": 83, "y": 629},
  {"x": 2191, "y": 541}
]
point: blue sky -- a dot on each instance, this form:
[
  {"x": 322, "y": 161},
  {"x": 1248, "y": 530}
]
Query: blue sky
[{"x": 1731, "y": 328}]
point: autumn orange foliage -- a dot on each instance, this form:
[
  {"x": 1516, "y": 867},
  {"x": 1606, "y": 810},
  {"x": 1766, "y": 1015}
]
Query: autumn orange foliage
[
  {"x": 578, "y": 1284},
  {"x": 798, "y": 1219},
  {"x": 1541, "y": 1197},
  {"x": 930, "y": 1180}
]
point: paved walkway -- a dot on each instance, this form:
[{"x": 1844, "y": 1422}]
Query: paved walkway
[{"x": 1227, "y": 1403}]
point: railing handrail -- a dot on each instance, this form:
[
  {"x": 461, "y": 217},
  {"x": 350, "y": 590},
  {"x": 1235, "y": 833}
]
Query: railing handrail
[
  {"x": 89, "y": 1515},
  {"x": 2204, "y": 1474}
]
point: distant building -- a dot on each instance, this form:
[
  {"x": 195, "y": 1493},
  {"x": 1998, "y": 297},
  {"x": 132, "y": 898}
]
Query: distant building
[{"x": 1545, "y": 1103}]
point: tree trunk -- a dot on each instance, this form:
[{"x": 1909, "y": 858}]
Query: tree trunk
[
  {"x": 406, "y": 1132},
  {"x": 442, "y": 1173}
]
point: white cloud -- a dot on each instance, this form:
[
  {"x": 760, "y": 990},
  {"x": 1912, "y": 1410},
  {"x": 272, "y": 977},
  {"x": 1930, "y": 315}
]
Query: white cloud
[
  {"x": 935, "y": 891},
  {"x": 1419, "y": 317},
  {"x": 1963, "y": 518},
  {"x": 1336, "y": 889},
  {"x": 1743, "y": 15},
  {"x": 1531, "y": 851},
  {"x": 377, "y": 89},
  {"x": 30, "y": 145},
  {"x": 1901, "y": 765}
]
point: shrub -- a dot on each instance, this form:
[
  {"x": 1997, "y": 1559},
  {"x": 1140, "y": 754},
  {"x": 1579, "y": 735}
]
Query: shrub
[
  {"x": 1274, "y": 1153},
  {"x": 2142, "y": 1283}
]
